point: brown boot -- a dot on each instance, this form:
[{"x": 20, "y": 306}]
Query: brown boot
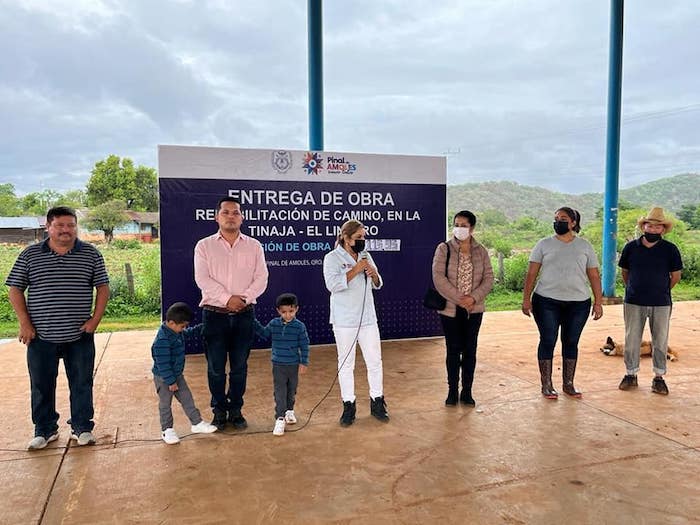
[
  {"x": 568, "y": 371},
  {"x": 546, "y": 378}
]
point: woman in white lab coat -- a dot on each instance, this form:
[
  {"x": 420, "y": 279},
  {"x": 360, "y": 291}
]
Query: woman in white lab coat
[{"x": 351, "y": 276}]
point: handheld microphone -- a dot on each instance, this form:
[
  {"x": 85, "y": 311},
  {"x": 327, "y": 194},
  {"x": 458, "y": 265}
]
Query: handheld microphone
[{"x": 363, "y": 256}]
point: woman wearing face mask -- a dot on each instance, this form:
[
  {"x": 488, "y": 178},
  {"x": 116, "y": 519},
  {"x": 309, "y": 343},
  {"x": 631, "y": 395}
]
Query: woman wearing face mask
[
  {"x": 568, "y": 271},
  {"x": 465, "y": 285},
  {"x": 351, "y": 276}
]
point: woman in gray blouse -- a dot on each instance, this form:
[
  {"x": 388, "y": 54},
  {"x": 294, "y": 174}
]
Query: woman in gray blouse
[{"x": 568, "y": 271}]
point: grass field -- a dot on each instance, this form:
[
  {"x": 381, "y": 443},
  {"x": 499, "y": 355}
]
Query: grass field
[{"x": 143, "y": 309}]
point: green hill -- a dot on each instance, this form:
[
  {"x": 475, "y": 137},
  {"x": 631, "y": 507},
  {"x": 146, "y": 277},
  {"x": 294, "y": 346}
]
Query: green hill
[{"x": 516, "y": 200}]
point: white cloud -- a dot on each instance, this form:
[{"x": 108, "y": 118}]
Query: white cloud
[{"x": 518, "y": 88}]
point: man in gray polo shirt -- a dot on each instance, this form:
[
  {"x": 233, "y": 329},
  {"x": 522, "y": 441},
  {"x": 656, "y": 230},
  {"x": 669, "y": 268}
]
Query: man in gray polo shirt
[{"x": 55, "y": 321}]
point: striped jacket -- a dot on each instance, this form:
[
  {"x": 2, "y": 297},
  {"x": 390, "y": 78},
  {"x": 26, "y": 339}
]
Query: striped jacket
[
  {"x": 168, "y": 352},
  {"x": 290, "y": 341}
]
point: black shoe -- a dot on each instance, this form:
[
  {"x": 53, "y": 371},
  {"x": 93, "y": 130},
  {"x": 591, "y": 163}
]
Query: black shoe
[
  {"x": 451, "y": 397},
  {"x": 237, "y": 420},
  {"x": 658, "y": 386},
  {"x": 629, "y": 381},
  {"x": 348, "y": 417},
  {"x": 377, "y": 407},
  {"x": 466, "y": 398},
  {"x": 219, "y": 421}
]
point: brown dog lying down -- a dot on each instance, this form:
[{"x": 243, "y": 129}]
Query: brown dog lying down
[{"x": 613, "y": 348}]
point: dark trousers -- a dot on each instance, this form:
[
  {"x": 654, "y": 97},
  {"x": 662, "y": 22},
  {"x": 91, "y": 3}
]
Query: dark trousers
[
  {"x": 165, "y": 401},
  {"x": 461, "y": 335},
  {"x": 285, "y": 379},
  {"x": 227, "y": 337},
  {"x": 79, "y": 361},
  {"x": 550, "y": 315}
]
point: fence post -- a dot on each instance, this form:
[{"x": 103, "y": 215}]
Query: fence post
[{"x": 129, "y": 278}]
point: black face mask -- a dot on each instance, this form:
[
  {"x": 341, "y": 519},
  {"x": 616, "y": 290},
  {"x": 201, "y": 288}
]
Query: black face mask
[
  {"x": 652, "y": 237},
  {"x": 561, "y": 227},
  {"x": 359, "y": 246}
]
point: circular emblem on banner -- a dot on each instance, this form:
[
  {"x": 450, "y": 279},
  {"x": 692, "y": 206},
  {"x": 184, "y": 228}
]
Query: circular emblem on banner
[
  {"x": 281, "y": 161},
  {"x": 312, "y": 163}
]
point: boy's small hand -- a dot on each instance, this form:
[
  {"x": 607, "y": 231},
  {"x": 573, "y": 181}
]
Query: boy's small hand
[
  {"x": 173, "y": 387},
  {"x": 302, "y": 369}
]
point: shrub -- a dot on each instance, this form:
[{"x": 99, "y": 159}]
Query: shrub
[
  {"x": 515, "y": 269},
  {"x": 691, "y": 264},
  {"x": 126, "y": 244}
]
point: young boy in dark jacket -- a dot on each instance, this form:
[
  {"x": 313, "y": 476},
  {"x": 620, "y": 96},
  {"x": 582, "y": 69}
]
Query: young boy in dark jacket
[
  {"x": 168, "y": 351},
  {"x": 290, "y": 357}
]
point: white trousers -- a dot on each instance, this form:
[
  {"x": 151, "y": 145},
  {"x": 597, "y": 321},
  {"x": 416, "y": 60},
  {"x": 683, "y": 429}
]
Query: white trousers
[{"x": 370, "y": 344}]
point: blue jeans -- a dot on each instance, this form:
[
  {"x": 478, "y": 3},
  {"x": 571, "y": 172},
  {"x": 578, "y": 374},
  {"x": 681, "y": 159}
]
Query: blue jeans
[
  {"x": 79, "y": 361},
  {"x": 229, "y": 337},
  {"x": 550, "y": 314}
]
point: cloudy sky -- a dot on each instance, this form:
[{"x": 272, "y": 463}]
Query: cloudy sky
[{"x": 509, "y": 90}]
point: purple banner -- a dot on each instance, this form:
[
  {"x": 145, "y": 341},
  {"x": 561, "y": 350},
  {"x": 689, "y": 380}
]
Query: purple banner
[{"x": 297, "y": 223}]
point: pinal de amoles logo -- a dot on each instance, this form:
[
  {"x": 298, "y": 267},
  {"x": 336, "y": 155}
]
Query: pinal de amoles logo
[
  {"x": 281, "y": 161},
  {"x": 312, "y": 163}
]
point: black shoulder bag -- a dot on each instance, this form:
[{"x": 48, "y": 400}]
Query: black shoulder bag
[{"x": 432, "y": 299}]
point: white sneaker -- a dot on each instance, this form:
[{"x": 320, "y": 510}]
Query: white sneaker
[
  {"x": 279, "y": 427},
  {"x": 170, "y": 436},
  {"x": 40, "y": 442},
  {"x": 85, "y": 438},
  {"x": 203, "y": 428},
  {"x": 290, "y": 418}
]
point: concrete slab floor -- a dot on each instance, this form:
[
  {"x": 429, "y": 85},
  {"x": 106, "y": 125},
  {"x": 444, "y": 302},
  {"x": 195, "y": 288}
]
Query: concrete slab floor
[{"x": 610, "y": 457}]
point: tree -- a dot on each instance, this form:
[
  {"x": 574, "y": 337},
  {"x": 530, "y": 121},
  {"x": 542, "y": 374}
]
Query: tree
[
  {"x": 116, "y": 178},
  {"x": 147, "y": 182},
  {"x": 39, "y": 202},
  {"x": 108, "y": 216},
  {"x": 74, "y": 199},
  {"x": 690, "y": 214},
  {"x": 622, "y": 205},
  {"x": 627, "y": 229},
  {"x": 490, "y": 218},
  {"x": 9, "y": 203},
  {"x": 503, "y": 248}
]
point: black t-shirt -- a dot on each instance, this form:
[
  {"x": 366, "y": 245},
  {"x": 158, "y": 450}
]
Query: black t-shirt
[{"x": 649, "y": 282}]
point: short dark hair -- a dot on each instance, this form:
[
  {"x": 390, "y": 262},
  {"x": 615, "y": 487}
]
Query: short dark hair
[
  {"x": 227, "y": 199},
  {"x": 179, "y": 313},
  {"x": 60, "y": 211},
  {"x": 574, "y": 215},
  {"x": 287, "y": 299},
  {"x": 466, "y": 214}
]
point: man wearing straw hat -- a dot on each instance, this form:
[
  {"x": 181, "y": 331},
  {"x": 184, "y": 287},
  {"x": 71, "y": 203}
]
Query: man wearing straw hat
[{"x": 651, "y": 266}]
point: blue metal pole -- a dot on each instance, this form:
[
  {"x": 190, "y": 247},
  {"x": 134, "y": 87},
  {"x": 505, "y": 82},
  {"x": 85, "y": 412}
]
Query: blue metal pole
[
  {"x": 315, "y": 21},
  {"x": 612, "y": 157}
]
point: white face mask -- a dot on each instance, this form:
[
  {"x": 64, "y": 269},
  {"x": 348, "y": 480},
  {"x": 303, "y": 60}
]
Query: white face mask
[{"x": 461, "y": 233}]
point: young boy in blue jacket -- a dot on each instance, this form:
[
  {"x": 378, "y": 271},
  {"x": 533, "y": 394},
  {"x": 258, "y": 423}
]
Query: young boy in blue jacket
[
  {"x": 290, "y": 357},
  {"x": 168, "y": 351}
]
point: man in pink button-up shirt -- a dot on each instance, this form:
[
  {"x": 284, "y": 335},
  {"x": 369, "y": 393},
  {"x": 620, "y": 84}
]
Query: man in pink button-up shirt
[{"x": 230, "y": 269}]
